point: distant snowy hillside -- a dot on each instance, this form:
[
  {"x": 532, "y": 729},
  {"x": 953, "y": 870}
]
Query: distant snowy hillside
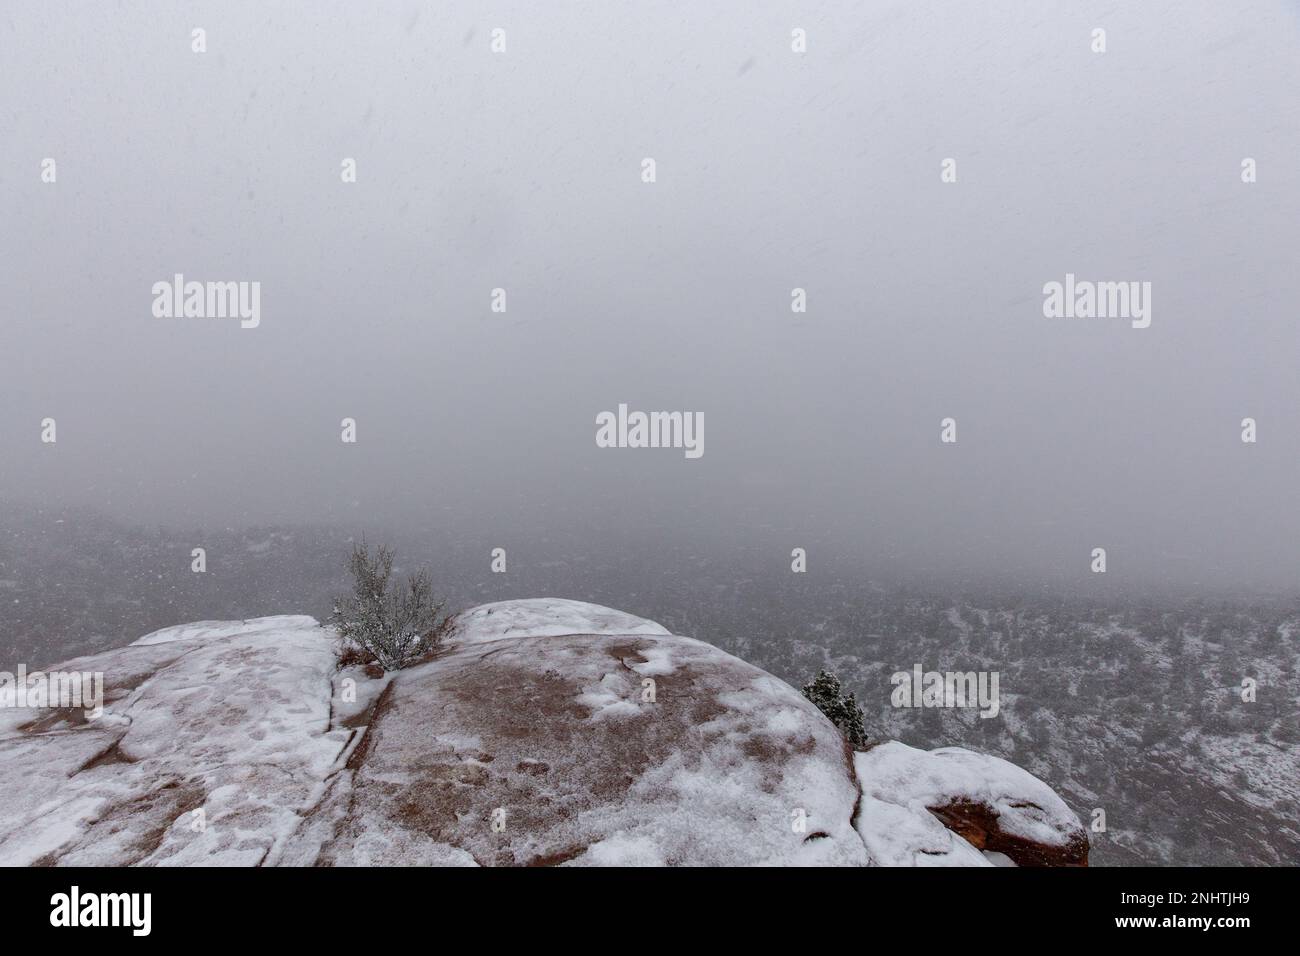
[{"x": 545, "y": 732}]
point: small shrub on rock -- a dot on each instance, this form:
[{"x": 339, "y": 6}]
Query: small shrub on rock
[
  {"x": 842, "y": 709},
  {"x": 398, "y": 624}
]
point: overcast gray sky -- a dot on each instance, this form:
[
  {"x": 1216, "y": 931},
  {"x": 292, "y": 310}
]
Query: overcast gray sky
[{"x": 775, "y": 170}]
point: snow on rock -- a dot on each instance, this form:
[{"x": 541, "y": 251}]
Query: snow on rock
[
  {"x": 943, "y": 806},
  {"x": 899, "y": 835},
  {"x": 544, "y": 732},
  {"x": 548, "y": 748},
  {"x": 209, "y": 630},
  {"x": 544, "y": 617},
  {"x": 232, "y": 719}
]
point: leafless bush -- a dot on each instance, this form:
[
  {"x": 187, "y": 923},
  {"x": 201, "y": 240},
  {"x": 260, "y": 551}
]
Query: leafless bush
[{"x": 394, "y": 623}]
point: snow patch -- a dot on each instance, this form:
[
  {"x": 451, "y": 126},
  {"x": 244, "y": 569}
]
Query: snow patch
[
  {"x": 216, "y": 630},
  {"x": 544, "y": 617}
]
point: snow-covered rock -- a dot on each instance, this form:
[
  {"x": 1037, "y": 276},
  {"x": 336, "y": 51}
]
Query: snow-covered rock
[
  {"x": 545, "y": 732},
  {"x": 232, "y": 720},
  {"x": 544, "y": 617},
  {"x": 215, "y": 630},
  {"x": 938, "y": 807},
  {"x": 553, "y": 749}
]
